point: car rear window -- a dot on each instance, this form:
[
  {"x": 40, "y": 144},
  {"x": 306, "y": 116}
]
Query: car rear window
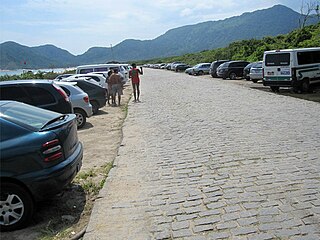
[
  {"x": 278, "y": 59},
  {"x": 40, "y": 96},
  {"x": 14, "y": 93},
  {"x": 24, "y": 114}
]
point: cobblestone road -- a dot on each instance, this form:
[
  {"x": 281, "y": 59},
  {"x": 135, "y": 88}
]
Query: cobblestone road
[{"x": 203, "y": 158}]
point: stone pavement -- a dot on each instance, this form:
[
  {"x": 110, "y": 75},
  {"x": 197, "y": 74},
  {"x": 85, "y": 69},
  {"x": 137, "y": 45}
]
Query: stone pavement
[{"x": 203, "y": 158}]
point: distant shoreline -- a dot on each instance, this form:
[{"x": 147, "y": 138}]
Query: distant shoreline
[{"x": 4, "y": 72}]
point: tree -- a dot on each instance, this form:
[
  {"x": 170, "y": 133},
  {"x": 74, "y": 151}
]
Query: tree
[{"x": 306, "y": 10}]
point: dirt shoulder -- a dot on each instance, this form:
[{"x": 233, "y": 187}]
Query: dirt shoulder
[{"x": 65, "y": 216}]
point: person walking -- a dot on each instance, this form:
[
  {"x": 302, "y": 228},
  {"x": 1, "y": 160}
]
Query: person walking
[
  {"x": 115, "y": 81},
  {"x": 135, "y": 80},
  {"x": 109, "y": 91}
]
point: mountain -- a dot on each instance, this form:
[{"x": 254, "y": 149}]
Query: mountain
[
  {"x": 186, "y": 39},
  {"x": 16, "y": 56}
]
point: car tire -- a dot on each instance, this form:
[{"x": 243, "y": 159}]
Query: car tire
[
  {"x": 95, "y": 107},
  {"x": 305, "y": 85},
  {"x": 200, "y": 73},
  {"x": 274, "y": 89},
  {"x": 232, "y": 76},
  {"x": 16, "y": 207},
  {"x": 254, "y": 80},
  {"x": 81, "y": 117}
]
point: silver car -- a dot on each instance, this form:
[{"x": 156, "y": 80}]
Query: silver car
[
  {"x": 79, "y": 100},
  {"x": 256, "y": 72}
]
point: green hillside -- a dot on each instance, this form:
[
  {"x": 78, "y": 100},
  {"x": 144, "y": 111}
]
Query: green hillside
[{"x": 251, "y": 50}]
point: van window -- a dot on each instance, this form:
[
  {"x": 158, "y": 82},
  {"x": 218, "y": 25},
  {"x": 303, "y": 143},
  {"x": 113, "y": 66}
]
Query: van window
[
  {"x": 308, "y": 57},
  {"x": 279, "y": 59},
  {"x": 86, "y": 70},
  {"x": 101, "y": 69}
]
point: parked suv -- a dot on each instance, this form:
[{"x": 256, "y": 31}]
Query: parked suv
[
  {"x": 232, "y": 69},
  {"x": 214, "y": 65},
  {"x": 201, "y": 68},
  {"x": 41, "y": 93},
  {"x": 97, "y": 94}
]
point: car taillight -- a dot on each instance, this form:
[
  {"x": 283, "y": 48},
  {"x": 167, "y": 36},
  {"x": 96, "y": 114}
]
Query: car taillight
[
  {"x": 62, "y": 93},
  {"x": 86, "y": 99},
  {"x": 52, "y": 150}
]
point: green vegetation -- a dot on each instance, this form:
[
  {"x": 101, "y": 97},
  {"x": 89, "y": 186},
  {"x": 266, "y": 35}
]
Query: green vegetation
[
  {"x": 251, "y": 50},
  {"x": 31, "y": 75}
]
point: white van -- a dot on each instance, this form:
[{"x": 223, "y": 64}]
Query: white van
[
  {"x": 296, "y": 68},
  {"x": 102, "y": 68}
]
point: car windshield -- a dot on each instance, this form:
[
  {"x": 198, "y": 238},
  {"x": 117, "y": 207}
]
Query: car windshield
[{"x": 24, "y": 114}]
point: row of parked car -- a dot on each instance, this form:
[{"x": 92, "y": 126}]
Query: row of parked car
[
  {"x": 40, "y": 149},
  {"x": 220, "y": 68},
  {"x": 297, "y": 69}
]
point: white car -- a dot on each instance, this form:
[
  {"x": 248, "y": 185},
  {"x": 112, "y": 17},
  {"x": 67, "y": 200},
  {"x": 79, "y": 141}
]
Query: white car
[
  {"x": 99, "y": 78},
  {"x": 79, "y": 100}
]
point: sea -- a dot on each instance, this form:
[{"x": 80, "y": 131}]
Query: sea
[{"x": 20, "y": 71}]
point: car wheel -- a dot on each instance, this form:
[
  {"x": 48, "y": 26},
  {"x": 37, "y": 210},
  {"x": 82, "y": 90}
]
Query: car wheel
[
  {"x": 95, "y": 107},
  {"x": 81, "y": 117},
  {"x": 274, "y": 89},
  {"x": 254, "y": 80},
  {"x": 232, "y": 76},
  {"x": 305, "y": 85},
  {"x": 16, "y": 207},
  {"x": 200, "y": 73}
]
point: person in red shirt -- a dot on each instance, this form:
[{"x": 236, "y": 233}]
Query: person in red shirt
[{"x": 134, "y": 75}]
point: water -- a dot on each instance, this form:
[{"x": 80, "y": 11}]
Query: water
[{"x": 20, "y": 71}]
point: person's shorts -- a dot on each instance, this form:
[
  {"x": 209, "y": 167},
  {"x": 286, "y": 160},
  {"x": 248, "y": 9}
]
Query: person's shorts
[{"x": 117, "y": 88}]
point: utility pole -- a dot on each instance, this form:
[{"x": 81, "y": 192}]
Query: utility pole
[{"x": 112, "y": 52}]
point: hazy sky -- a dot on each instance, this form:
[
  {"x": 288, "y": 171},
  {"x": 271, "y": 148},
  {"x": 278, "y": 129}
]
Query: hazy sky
[{"x": 77, "y": 25}]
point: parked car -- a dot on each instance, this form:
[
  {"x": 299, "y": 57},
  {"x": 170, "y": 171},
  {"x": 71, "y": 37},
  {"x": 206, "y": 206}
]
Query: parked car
[
  {"x": 256, "y": 72},
  {"x": 201, "y": 68},
  {"x": 214, "y": 65},
  {"x": 41, "y": 93},
  {"x": 97, "y": 94},
  {"x": 189, "y": 70},
  {"x": 246, "y": 71},
  {"x": 169, "y": 66},
  {"x": 232, "y": 69},
  {"x": 40, "y": 155},
  {"x": 59, "y": 77},
  {"x": 99, "y": 78},
  {"x": 181, "y": 67},
  {"x": 80, "y": 102}
]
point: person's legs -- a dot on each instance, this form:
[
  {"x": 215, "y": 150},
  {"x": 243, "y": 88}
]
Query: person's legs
[
  {"x": 113, "y": 95},
  {"x": 119, "y": 99},
  {"x": 108, "y": 97},
  {"x": 138, "y": 91},
  {"x": 134, "y": 91}
]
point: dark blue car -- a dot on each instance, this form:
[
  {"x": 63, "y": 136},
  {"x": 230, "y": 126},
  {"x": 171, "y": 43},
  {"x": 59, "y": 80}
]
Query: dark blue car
[{"x": 40, "y": 155}]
